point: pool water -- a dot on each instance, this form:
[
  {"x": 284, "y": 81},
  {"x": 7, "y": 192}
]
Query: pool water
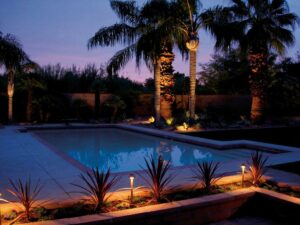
[{"x": 122, "y": 150}]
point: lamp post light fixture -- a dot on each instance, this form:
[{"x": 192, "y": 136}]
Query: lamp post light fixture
[
  {"x": 131, "y": 178},
  {"x": 243, "y": 167}
]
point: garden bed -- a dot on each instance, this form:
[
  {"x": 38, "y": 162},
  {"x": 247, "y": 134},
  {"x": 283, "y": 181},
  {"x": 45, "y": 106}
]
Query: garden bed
[
  {"x": 202, "y": 210},
  {"x": 82, "y": 208},
  {"x": 196, "y": 210}
]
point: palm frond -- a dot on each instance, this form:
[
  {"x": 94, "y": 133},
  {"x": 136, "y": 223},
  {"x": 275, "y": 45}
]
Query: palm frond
[
  {"x": 127, "y": 11},
  {"x": 12, "y": 56},
  {"x": 121, "y": 58},
  {"x": 109, "y": 36}
]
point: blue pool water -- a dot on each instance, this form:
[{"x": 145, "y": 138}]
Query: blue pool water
[{"x": 123, "y": 150}]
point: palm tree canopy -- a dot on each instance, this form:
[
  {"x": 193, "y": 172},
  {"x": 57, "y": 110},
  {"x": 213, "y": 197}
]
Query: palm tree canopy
[
  {"x": 11, "y": 54},
  {"x": 143, "y": 30},
  {"x": 189, "y": 18},
  {"x": 29, "y": 81},
  {"x": 262, "y": 24}
]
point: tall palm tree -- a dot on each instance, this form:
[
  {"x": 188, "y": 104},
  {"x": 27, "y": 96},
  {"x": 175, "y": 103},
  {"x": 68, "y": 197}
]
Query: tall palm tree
[
  {"x": 189, "y": 20},
  {"x": 261, "y": 27},
  {"x": 144, "y": 32},
  {"x": 12, "y": 57}
]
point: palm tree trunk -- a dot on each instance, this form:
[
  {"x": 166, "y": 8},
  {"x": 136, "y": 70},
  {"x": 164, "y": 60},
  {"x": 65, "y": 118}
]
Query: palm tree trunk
[
  {"x": 157, "y": 91},
  {"x": 97, "y": 103},
  {"x": 192, "y": 100},
  {"x": 10, "y": 94},
  {"x": 29, "y": 104},
  {"x": 10, "y": 108},
  {"x": 258, "y": 84},
  {"x": 166, "y": 82}
]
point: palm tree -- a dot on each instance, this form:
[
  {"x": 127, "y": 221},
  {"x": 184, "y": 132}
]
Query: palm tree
[
  {"x": 28, "y": 82},
  {"x": 261, "y": 27},
  {"x": 12, "y": 57},
  {"x": 144, "y": 32},
  {"x": 189, "y": 20}
]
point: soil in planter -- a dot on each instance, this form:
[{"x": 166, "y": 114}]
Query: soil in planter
[
  {"x": 284, "y": 190},
  {"x": 197, "y": 192}
]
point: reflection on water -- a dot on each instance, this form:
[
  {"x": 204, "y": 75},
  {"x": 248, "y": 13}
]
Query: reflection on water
[{"x": 123, "y": 150}]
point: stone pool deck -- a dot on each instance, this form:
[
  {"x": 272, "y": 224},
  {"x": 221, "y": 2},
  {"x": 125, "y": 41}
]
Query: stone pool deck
[{"x": 22, "y": 155}]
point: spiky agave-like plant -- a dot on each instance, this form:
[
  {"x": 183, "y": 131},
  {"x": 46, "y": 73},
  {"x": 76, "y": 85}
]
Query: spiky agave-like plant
[
  {"x": 157, "y": 176},
  {"x": 96, "y": 186},
  {"x": 257, "y": 167},
  {"x": 206, "y": 174},
  {"x": 27, "y": 194}
]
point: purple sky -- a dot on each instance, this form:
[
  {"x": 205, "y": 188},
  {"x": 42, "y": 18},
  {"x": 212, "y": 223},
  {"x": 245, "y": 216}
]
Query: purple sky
[{"x": 57, "y": 31}]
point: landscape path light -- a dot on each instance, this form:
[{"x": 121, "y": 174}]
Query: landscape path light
[
  {"x": 131, "y": 178},
  {"x": 243, "y": 167}
]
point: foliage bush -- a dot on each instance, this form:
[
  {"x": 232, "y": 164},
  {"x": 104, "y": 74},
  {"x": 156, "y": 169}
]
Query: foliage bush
[
  {"x": 96, "y": 185},
  {"x": 157, "y": 176},
  {"x": 206, "y": 174},
  {"x": 26, "y": 194}
]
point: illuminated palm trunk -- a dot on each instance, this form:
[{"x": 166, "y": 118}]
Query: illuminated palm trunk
[
  {"x": 167, "y": 82},
  {"x": 258, "y": 84},
  {"x": 192, "y": 101},
  {"x": 10, "y": 94},
  {"x": 192, "y": 45},
  {"x": 157, "y": 91}
]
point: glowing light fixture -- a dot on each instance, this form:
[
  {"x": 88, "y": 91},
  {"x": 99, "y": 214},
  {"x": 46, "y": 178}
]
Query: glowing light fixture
[
  {"x": 131, "y": 178},
  {"x": 185, "y": 126},
  {"x": 243, "y": 167},
  {"x": 151, "y": 119}
]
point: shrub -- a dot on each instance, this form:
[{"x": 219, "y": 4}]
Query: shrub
[
  {"x": 257, "y": 167},
  {"x": 27, "y": 194},
  {"x": 157, "y": 176},
  {"x": 205, "y": 173},
  {"x": 97, "y": 185}
]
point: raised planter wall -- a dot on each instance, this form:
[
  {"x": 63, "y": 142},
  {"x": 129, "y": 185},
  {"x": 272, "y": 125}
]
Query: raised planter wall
[
  {"x": 195, "y": 211},
  {"x": 250, "y": 202}
]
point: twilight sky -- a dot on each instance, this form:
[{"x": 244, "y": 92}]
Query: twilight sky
[{"x": 57, "y": 31}]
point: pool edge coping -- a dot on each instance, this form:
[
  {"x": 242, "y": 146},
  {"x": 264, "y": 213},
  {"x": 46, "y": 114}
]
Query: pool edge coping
[{"x": 216, "y": 144}]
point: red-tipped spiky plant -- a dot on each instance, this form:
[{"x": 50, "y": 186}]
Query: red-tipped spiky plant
[
  {"x": 157, "y": 176},
  {"x": 257, "y": 167},
  {"x": 96, "y": 186},
  {"x": 26, "y": 193},
  {"x": 205, "y": 173}
]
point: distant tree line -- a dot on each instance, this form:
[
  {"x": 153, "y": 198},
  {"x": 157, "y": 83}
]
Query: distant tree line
[{"x": 42, "y": 91}]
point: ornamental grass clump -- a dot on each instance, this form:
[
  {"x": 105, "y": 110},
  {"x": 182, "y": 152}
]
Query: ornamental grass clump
[
  {"x": 206, "y": 174},
  {"x": 157, "y": 176},
  {"x": 96, "y": 186},
  {"x": 257, "y": 167},
  {"x": 26, "y": 194}
]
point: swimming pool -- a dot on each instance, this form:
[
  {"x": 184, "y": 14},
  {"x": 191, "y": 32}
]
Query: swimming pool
[{"x": 123, "y": 150}]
